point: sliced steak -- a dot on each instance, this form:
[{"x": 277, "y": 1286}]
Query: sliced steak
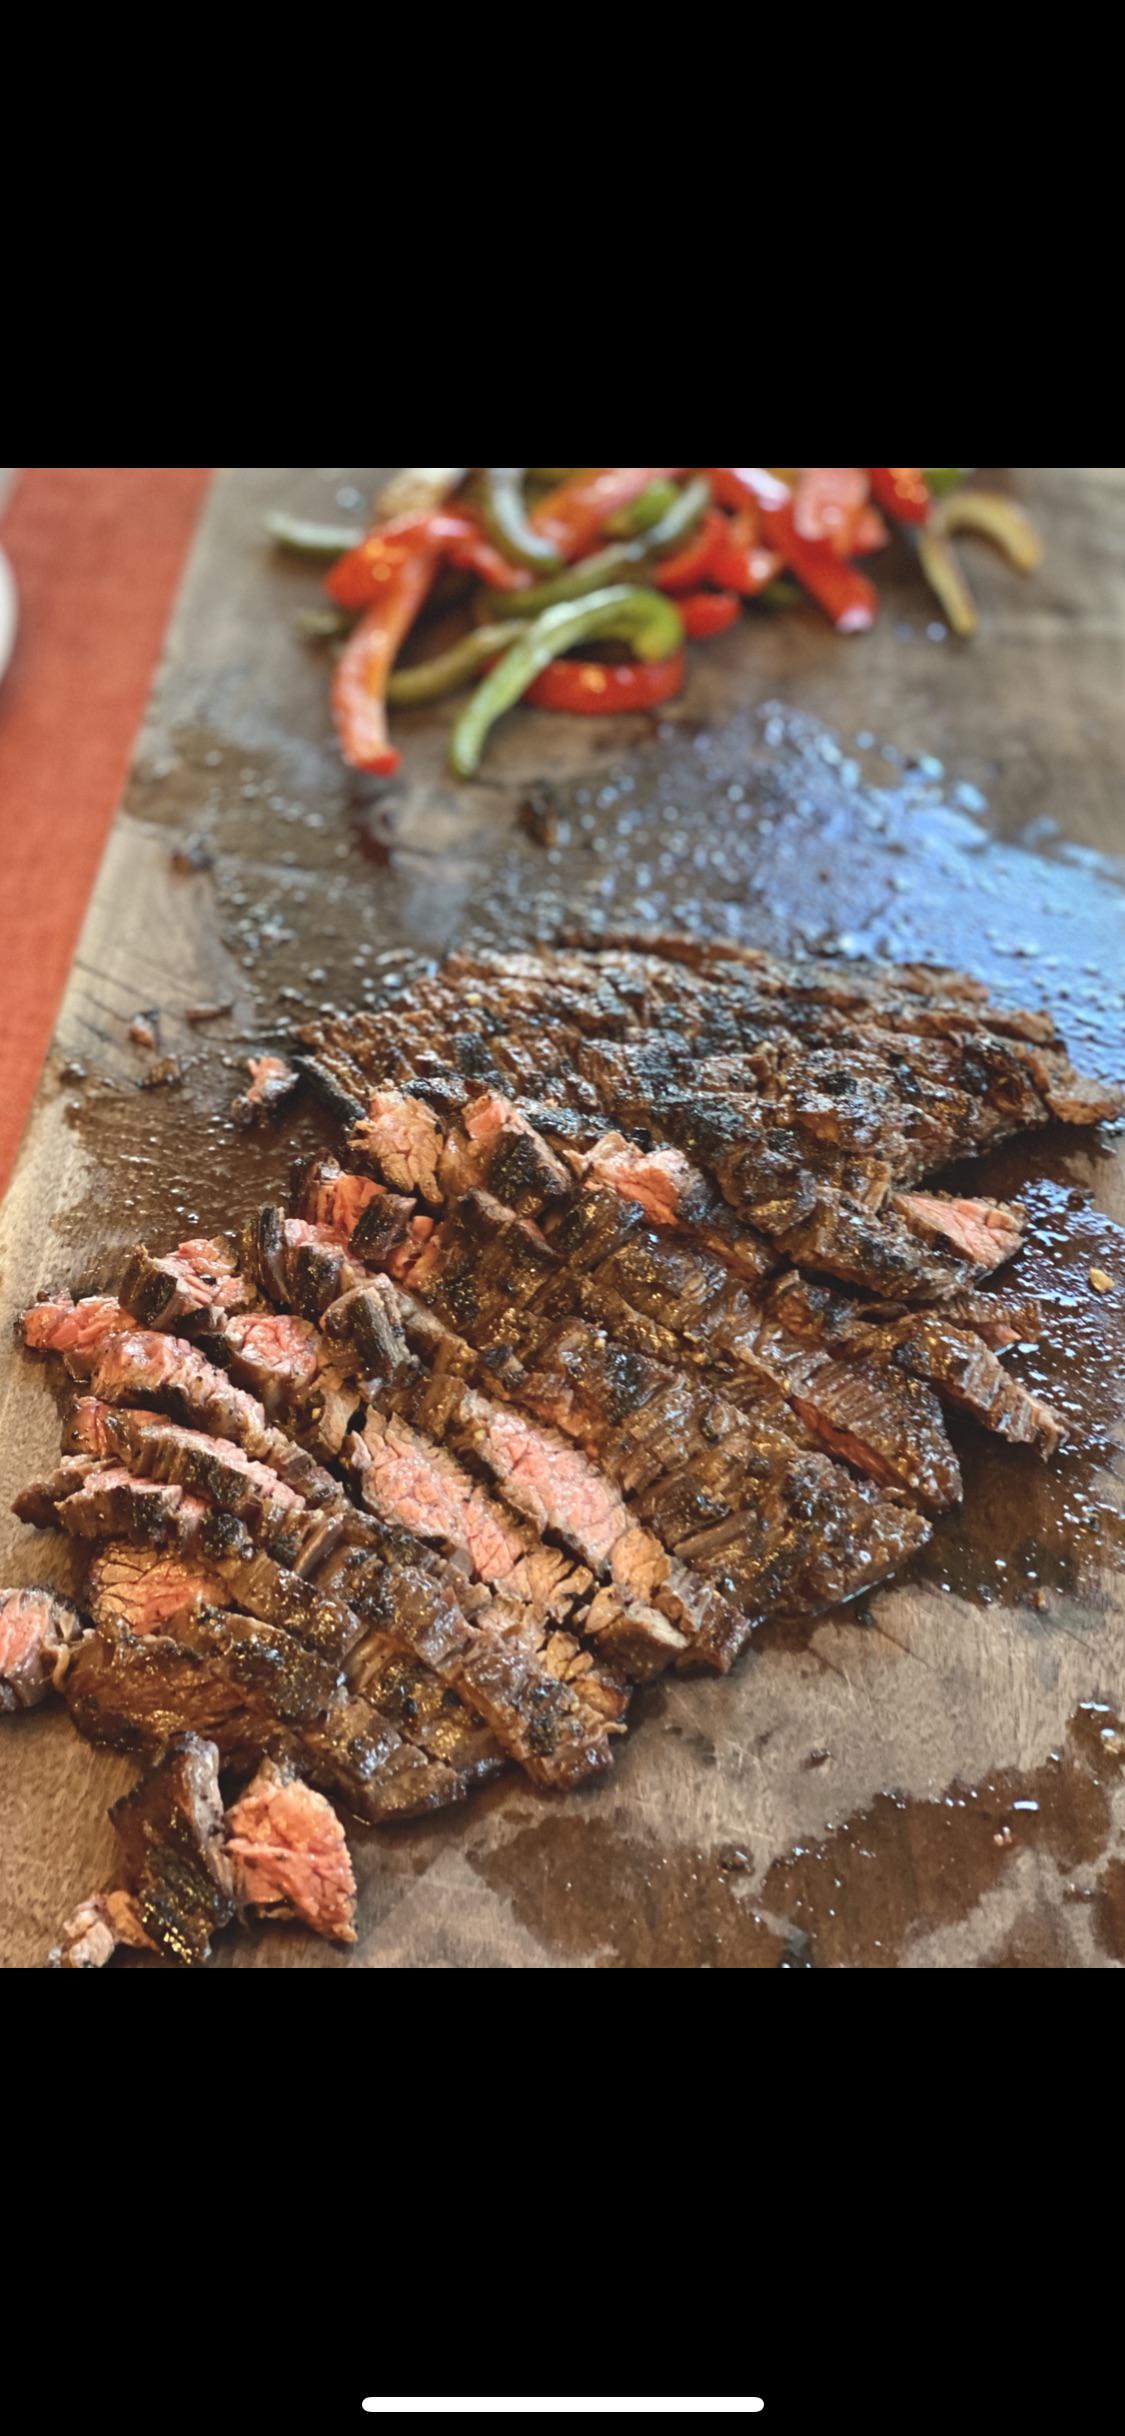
[
  {"x": 38, "y": 1631},
  {"x": 803, "y": 1093},
  {"x": 57, "y": 1324},
  {"x": 90, "y": 1938},
  {"x": 353, "y": 1206},
  {"x": 148, "y": 1589},
  {"x": 150, "y": 1592},
  {"x": 187, "y": 1290},
  {"x": 987, "y": 1233},
  {"x": 134, "y": 1365},
  {"x": 174, "y": 1851},
  {"x": 545, "y": 1699},
  {"x": 103, "y": 1500},
  {"x": 290, "y": 1855},
  {"x": 257, "y": 1694},
  {"x": 928, "y": 1345}
]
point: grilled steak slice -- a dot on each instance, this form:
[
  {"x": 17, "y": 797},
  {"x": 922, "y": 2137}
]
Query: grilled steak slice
[
  {"x": 534, "y": 1009},
  {"x": 542, "y": 1697},
  {"x": 150, "y": 1592},
  {"x": 401, "y": 1137},
  {"x": 405, "y": 1480},
  {"x": 928, "y": 1345},
  {"x": 355, "y": 1207},
  {"x": 290, "y": 1855},
  {"x": 102, "y": 1500},
  {"x": 587, "y": 1383},
  {"x": 174, "y": 1852},
  {"x": 742, "y": 1067},
  {"x": 188, "y": 1290},
  {"x": 37, "y": 1633},
  {"x": 502, "y": 1260},
  {"x": 214, "y": 1468},
  {"x": 257, "y": 1694},
  {"x": 894, "y": 1434},
  {"x": 130, "y": 1365},
  {"x": 290, "y": 1369},
  {"x": 275, "y": 1357},
  {"x": 57, "y": 1324},
  {"x": 424, "y": 1708},
  {"x": 146, "y": 1588},
  {"x": 986, "y": 1232},
  {"x": 249, "y": 1492},
  {"x": 91, "y": 1936}
]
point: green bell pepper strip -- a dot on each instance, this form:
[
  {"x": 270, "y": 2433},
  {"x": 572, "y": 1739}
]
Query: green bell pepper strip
[
  {"x": 312, "y": 540},
  {"x": 429, "y": 679},
  {"x": 942, "y": 478},
  {"x": 648, "y": 621},
  {"x": 324, "y": 625},
  {"x": 506, "y": 522},
  {"x": 639, "y": 515},
  {"x": 621, "y": 560}
]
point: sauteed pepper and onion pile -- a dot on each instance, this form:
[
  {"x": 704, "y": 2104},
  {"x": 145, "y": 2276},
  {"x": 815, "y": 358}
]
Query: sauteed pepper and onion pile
[{"x": 586, "y": 582}]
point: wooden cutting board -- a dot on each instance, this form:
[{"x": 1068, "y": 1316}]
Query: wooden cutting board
[{"x": 934, "y": 1778}]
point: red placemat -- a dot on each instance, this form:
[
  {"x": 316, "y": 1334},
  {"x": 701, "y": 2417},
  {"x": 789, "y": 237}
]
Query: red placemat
[{"x": 97, "y": 553}]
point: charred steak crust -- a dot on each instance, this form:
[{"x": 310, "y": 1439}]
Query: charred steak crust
[{"x": 625, "y": 1318}]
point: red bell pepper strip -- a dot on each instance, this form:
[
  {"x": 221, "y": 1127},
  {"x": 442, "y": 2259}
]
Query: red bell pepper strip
[
  {"x": 739, "y": 562},
  {"x": 360, "y": 578},
  {"x": 592, "y": 687},
  {"x": 360, "y": 682},
  {"x": 847, "y": 597},
  {"x": 473, "y": 550},
  {"x": 687, "y": 567},
  {"x": 828, "y": 503},
  {"x": 573, "y": 515},
  {"x": 902, "y": 490},
  {"x": 706, "y": 613},
  {"x": 739, "y": 486},
  {"x": 870, "y": 534},
  {"x": 365, "y": 574}
]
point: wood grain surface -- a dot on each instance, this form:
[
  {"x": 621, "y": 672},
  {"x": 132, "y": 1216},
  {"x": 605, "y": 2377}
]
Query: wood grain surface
[{"x": 934, "y": 1779}]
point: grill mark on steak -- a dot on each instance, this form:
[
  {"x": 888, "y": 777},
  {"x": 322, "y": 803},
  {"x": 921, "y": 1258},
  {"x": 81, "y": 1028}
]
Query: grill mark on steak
[
  {"x": 149, "y": 1592},
  {"x": 571, "y": 1721},
  {"x": 939, "y": 1060},
  {"x": 544, "y": 1699},
  {"x": 493, "y": 1280},
  {"x": 930, "y": 1346},
  {"x": 257, "y": 1694},
  {"x": 127, "y": 1364},
  {"x": 170, "y": 1828},
  {"x": 186, "y": 1290}
]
